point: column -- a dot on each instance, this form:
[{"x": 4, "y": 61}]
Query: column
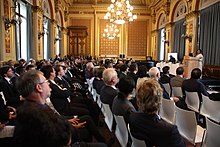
[
  {"x": 53, "y": 24},
  {"x": 192, "y": 32},
  {"x": 37, "y": 39}
]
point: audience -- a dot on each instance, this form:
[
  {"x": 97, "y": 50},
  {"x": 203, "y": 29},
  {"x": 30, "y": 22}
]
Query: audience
[
  {"x": 146, "y": 125},
  {"x": 36, "y": 123}
]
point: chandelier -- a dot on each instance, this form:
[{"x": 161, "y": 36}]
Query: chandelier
[
  {"x": 120, "y": 11},
  {"x": 111, "y": 31}
]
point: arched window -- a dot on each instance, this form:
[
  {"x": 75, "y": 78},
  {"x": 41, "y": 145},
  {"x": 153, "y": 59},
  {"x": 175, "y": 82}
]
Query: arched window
[
  {"x": 23, "y": 30},
  {"x": 46, "y": 41},
  {"x": 161, "y": 37}
]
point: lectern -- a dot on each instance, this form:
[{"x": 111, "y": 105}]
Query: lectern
[{"x": 189, "y": 63}]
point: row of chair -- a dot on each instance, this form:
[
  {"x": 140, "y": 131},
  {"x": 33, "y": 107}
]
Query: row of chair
[
  {"x": 122, "y": 131},
  {"x": 206, "y": 108},
  {"x": 187, "y": 124}
]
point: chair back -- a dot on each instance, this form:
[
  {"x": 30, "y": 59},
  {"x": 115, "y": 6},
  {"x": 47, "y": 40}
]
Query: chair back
[
  {"x": 98, "y": 100},
  {"x": 108, "y": 115},
  {"x": 177, "y": 91},
  {"x": 187, "y": 125},
  {"x": 192, "y": 101},
  {"x": 121, "y": 130},
  {"x": 167, "y": 88},
  {"x": 136, "y": 142},
  {"x": 209, "y": 108},
  {"x": 212, "y": 134},
  {"x": 167, "y": 111}
]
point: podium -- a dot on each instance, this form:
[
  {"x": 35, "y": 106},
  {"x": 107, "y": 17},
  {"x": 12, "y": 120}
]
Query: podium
[{"x": 189, "y": 63}]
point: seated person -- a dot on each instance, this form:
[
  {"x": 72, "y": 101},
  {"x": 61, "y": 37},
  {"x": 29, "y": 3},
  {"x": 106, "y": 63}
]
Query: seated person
[
  {"x": 172, "y": 59},
  {"x": 121, "y": 105},
  {"x": 165, "y": 76},
  {"x": 36, "y": 123},
  {"x": 109, "y": 91},
  {"x": 146, "y": 125},
  {"x": 7, "y": 113},
  {"x": 98, "y": 80},
  {"x": 194, "y": 85},
  {"x": 177, "y": 81}
]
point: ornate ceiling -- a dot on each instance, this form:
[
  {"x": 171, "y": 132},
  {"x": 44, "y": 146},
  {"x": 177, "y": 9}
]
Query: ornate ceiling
[{"x": 134, "y": 2}]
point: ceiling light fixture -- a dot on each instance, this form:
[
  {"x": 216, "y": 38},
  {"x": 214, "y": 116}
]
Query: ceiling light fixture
[{"x": 120, "y": 11}]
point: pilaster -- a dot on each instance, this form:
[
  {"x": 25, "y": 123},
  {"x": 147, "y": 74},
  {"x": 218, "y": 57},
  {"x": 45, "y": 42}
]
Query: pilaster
[
  {"x": 53, "y": 26},
  {"x": 191, "y": 32},
  {"x": 37, "y": 25}
]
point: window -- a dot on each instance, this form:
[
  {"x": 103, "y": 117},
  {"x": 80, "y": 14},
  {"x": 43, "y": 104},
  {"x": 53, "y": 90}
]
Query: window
[
  {"x": 162, "y": 44},
  {"x": 21, "y": 31},
  {"x": 46, "y": 38},
  {"x": 58, "y": 41}
]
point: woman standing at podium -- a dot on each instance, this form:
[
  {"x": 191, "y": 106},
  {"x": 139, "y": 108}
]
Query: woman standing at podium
[{"x": 199, "y": 56}]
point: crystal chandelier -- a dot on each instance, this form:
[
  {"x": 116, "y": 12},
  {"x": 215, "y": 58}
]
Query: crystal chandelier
[
  {"x": 120, "y": 11},
  {"x": 111, "y": 31}
]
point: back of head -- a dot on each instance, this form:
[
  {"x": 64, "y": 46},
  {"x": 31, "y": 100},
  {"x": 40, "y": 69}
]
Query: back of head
[
  {"x": 166, "y": 69},
  {"x": 123, "y": 68},
  {"x": 149, "y": 94},
  {"x": 126, "y": 85},
  {"x": 27, "y": 82},
  {"x": 153, "y": 72},
  {"x": 109, "y": 76},
  {"x": 89, "y": 66},
  {"x": 142, "y": 71},
  {"x": 196, "y": 73},
  {"x": 98, "y": 71},
  {"x": 179, "y": 70},
  {"x": 46, "y": 70},
  {"x": 133, "y": 67}
]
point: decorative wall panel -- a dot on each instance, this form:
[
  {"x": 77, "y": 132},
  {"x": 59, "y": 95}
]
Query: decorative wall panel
[
  {"x": 107, "y": 46},
  {"x": 7, "y": 34},
  {"x": 137, "y": 38},
  {"x": 86, "y": 23}
]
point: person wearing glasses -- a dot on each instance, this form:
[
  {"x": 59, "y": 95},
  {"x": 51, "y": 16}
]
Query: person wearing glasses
[{"x": 36, "y": 123}]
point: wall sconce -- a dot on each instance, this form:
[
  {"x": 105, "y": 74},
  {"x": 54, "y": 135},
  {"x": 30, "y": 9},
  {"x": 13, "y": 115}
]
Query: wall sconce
[
  {"x": 167, "y": 42},
  {"x": 187, "y": 36},
  {"x": 9, "y": 22},
  {"x": 57, "y": 39},
  {"x": 40, "y": 34}
]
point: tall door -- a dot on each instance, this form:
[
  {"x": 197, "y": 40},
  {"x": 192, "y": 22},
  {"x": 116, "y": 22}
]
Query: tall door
[{"x": 78, "y": 40}]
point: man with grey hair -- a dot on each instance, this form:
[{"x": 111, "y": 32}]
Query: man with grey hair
[
  {"x": 109, "y": 91},
  {"x": 154, "y": 73}
]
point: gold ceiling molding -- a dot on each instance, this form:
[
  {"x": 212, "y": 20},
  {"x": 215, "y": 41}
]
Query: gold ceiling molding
[{"x": 97, "y": 2}]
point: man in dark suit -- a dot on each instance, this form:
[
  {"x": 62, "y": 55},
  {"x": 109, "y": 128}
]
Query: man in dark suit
[
  {"x": 194, "y": 85},
  {"x": 9, "y": 90},
  {"x": 109, "y": 91},
  {"x": 146, "y": 125},
  {"x": 165, "y": 76},
  {"x": 35, "y": 89}
]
